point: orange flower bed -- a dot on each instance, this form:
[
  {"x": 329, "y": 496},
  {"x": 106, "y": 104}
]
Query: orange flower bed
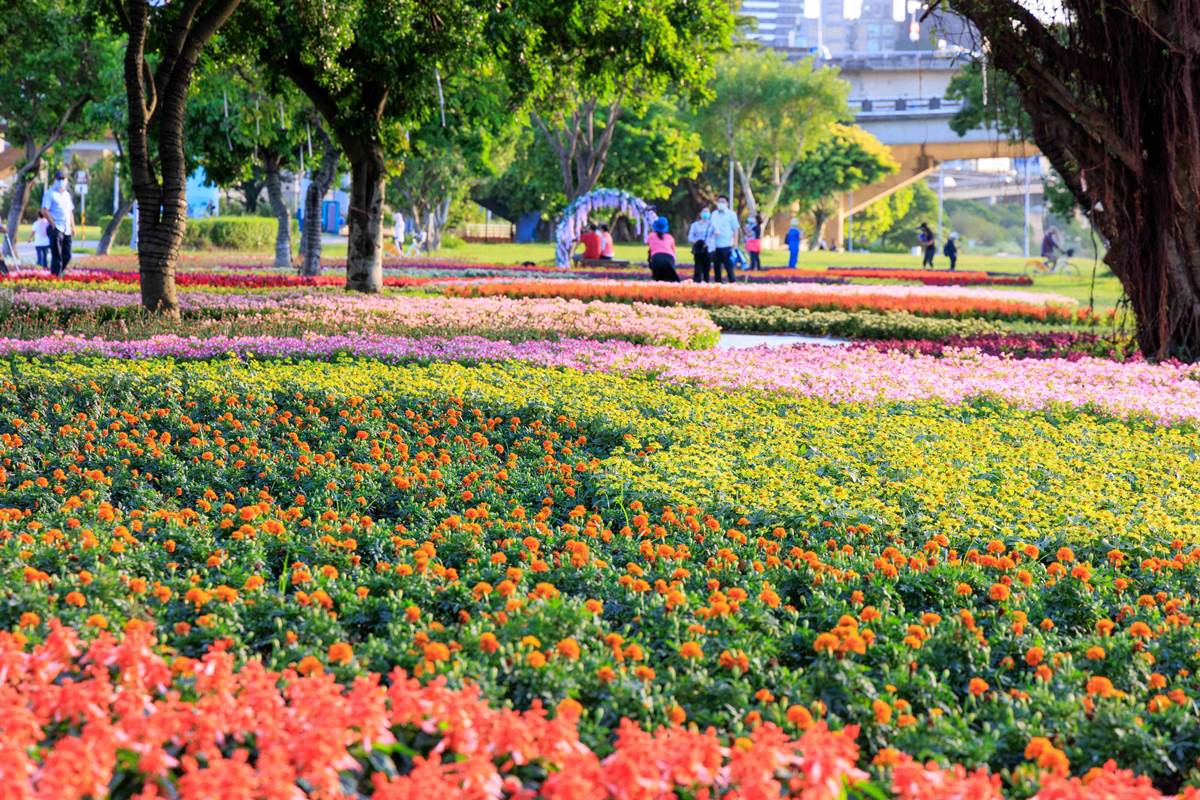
[
  {"x": 948, "y": 303},
  {"x": 81, "y": 723}
]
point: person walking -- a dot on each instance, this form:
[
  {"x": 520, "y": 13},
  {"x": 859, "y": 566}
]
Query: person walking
[
  {"x": 662, "y": 252},
  {"x": 699, "y": 235},
  {"x": 606, "y": 244},
  {"x": 754, "y": 240},
  {"x": 60, "y": 208},
  {"x": 724, "y": 238},
  {"x": 41, "y": 238},
  {"x": 928, "y": 245},
  {"x": 399, "y": 230},
  {"x": 950, "y": 250},
  {"x": 792, "y": 240}
]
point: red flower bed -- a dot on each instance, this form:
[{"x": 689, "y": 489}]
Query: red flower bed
[
  {"x": 81, "y": 721},
  {"x": 746, "y": 295},
  {"x": 930, "y": 278}
]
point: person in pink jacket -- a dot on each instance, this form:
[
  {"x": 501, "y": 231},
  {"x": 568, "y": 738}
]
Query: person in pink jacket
[{"x": 662, "y": 252}]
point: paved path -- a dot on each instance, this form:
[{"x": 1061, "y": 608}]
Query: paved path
[{"x": 740, "y": 341}]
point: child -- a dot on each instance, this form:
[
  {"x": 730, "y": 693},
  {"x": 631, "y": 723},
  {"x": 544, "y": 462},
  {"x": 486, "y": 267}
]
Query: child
[
  {"x": 950, "y": 251},
  {"x": 662, "y": 252},
  {"x": 41, "y": 237}
]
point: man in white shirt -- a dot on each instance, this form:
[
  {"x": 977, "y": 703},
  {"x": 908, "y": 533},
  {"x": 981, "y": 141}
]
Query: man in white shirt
[
  {"x": 725, "y": 228},
  {"x": 61, "y": 206}
]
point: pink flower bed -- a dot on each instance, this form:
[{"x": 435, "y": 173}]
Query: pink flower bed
[
  {"x": 1167, "y": 393},
  {"x": 492, "y": 316}
]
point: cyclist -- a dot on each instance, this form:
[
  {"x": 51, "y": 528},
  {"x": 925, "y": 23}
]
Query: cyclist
[{"x": 1050, "y": 247}]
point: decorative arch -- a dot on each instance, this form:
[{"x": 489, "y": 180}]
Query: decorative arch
[{"x": 575, "y": 217}]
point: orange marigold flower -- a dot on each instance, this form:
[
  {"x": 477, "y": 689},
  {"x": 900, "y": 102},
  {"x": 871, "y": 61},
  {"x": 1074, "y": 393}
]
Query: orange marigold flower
[
  {"x": 76, "y": 599},
  {"x": 606, "y": 674},
  {"x": 536, "y": 659},
  {"x": 1034, "y": 656},
  {"x": 569, "y": 708},
  {"x": 825, "y": 642},
  {"x": 488, "y": 643},
  {"x": 340, "y": 653},
  {"x": 999, "y": 592},
  {"x": 882, "y": 711},
  {"x": 800, "y": 717},
  {"x": 29, "y": 619},
  {"x": 677, "y": 715},
  {"x": 1140, "y": 630},
  {"x": 977, "y": 686},
  {"x": 1095, "y": 653},
  {"x": 691, "y": 650},
  {"x": 1099, "y": 686},
  {"x": 436, "y": 651},
  {"x": 568, "y": 648},
  {"x": 309, "y": 665}
]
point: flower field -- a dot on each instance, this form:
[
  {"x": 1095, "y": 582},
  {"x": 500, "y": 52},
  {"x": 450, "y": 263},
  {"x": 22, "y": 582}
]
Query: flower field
[
  {"x": 555, "y": 546},
  {"x": 944, "y": 301}
]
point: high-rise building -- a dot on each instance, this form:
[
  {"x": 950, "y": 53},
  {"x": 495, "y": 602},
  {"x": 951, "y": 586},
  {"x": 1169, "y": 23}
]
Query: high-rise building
[{"x": 836, "y": 28}]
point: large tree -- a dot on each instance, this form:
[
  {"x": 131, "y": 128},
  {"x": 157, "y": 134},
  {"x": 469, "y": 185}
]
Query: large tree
[
  {"x": 651, "y": 152},
  {"x": 767, "y": 114},
  {"x": 610, "y": 58},
  {"x": 847, "y": 158},
  {"x": 246, "y": 131},
  {"x": 52, "y": 65},
  {"x": 373, "y": 70},
  {"x": 165, "y": 42},
  {"x": 1110, "y": 89}
]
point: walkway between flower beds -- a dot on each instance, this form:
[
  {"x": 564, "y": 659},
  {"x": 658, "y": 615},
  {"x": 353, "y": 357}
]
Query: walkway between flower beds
[{"x": 742, "y": 341}]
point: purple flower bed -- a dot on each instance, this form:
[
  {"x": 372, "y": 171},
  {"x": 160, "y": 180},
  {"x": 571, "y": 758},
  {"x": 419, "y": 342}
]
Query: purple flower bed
[{"x": 1068, "y": 345}]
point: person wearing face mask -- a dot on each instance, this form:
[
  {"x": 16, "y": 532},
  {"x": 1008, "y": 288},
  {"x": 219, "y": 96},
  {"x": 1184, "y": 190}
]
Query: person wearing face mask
[
  {"x": 60, "y": 206},
  {"x": 725, "y": 230},
  {"x": 698, "y": 235}
]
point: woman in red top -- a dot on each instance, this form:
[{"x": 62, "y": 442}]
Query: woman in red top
[{"x": 662, "y": 252}]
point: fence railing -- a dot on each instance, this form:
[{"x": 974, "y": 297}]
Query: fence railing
[{"x": 905, "y": 105}]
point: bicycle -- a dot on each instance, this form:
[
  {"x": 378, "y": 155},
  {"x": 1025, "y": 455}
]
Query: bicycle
[{"x": 1060, "y": 265}]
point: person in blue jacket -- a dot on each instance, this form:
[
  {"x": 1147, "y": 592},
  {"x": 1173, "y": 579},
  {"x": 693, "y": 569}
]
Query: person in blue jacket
[{"x": 793, "y": 243}]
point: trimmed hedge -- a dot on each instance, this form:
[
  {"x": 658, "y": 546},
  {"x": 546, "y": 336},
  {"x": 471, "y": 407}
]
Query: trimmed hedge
[
  {"x": 847, "y": 324},
  {"x": 222, "y": 233}
]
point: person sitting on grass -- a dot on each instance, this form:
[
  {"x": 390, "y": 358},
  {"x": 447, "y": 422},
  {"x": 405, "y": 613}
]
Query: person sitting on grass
[
  {"x": 591, "y": 244},
  {"x": 662, "y": 252}
]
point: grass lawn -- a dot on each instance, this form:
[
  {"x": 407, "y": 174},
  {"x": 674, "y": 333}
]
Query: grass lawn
[{"x": 1107, "y": 288}]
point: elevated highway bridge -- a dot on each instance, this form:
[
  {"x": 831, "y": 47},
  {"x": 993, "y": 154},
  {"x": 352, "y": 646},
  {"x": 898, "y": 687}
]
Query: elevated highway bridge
[{"x": 900, "y": 98}]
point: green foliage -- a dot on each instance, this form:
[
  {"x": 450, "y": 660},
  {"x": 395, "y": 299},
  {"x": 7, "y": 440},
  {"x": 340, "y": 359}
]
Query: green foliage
[
  {"x": 1002, "y": 110},
  {"x": 922, "y": 208},
  {"x": 881, "y": 216},
  {"x": 847, "y": 324},
  {"x": 220, "y": 233},
  {"x": 770, "y": 112},
  {"x": 846, "y": 159},
  {"x": 54, "y": 59}
]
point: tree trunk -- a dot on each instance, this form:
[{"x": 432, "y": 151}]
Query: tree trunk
[
  {"x": 283, "y": 235},
  {"x": 364, "y": 254},
  {"x": 110, "y": 230},
  {"x": 322, "y": 179},
  {"x": 251, "y": 189},
  {"x": 21, "y": 188},
  {"x": 820, "y": 217},
  {"x": 159, "y": 96}
]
